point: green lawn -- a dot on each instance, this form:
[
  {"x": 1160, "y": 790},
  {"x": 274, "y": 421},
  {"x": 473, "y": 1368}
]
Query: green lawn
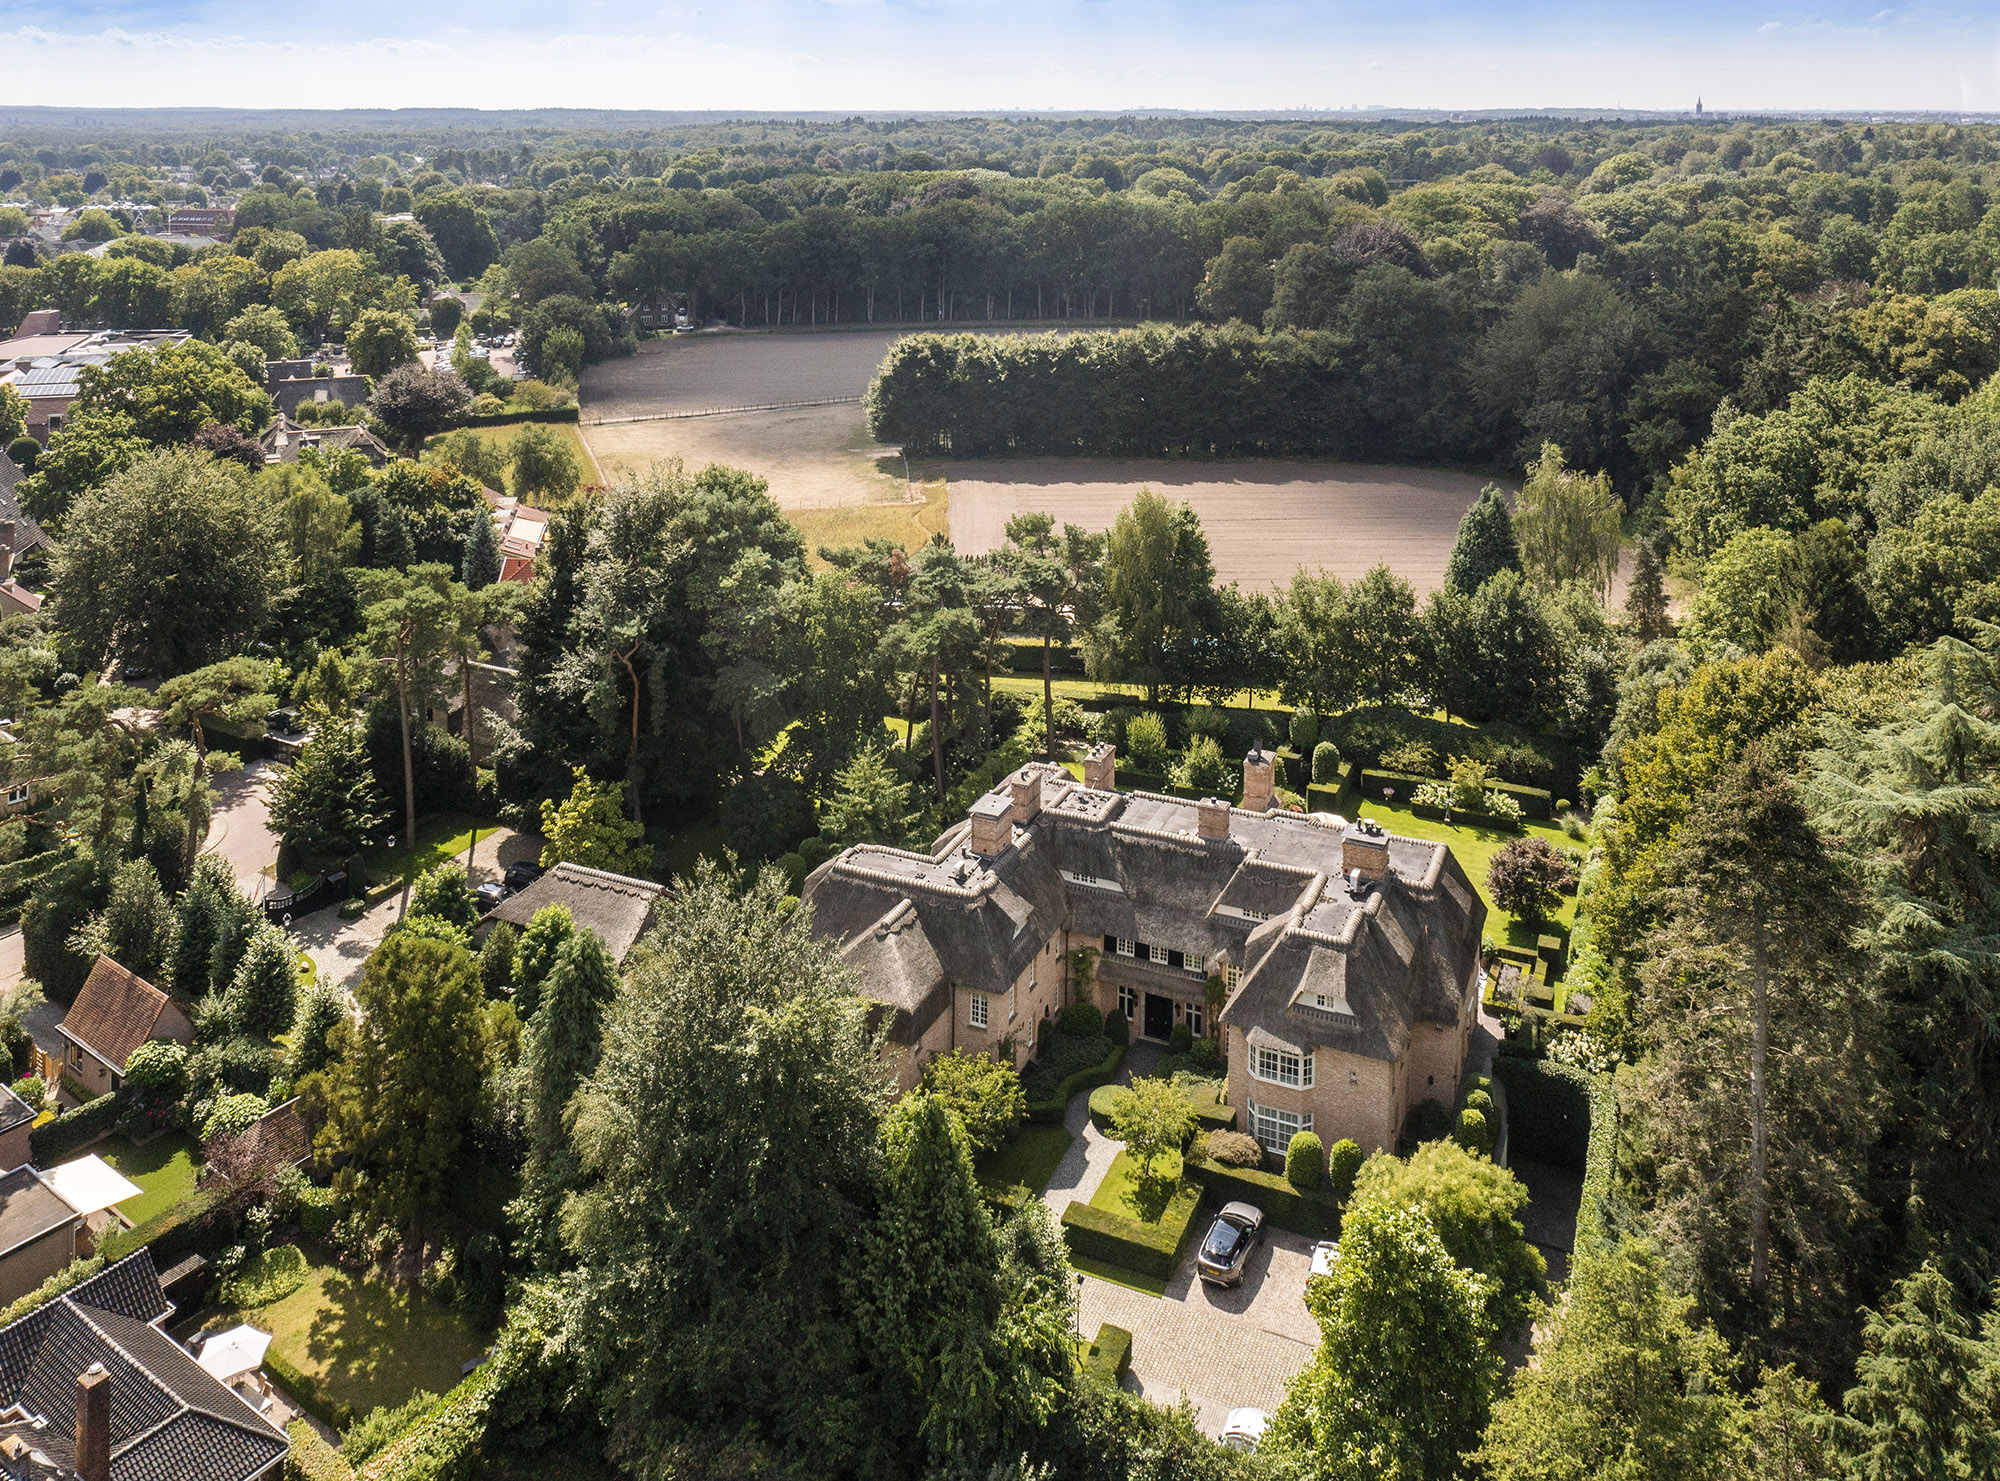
[
  {"x": 1122, "y": 1192},
  {"x": 1031, "y": 1156},
  {"x": 165, "y": 1168},
  {"x": 439, "y": 837},
  {"x": 1474, "y": 849},
  {"x": 363, "y": 1343}
]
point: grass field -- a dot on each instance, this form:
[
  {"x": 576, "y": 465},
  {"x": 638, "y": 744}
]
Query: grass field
[
  {"x": 910, "y": 525},
  {"x": 439, "y": 837},
  {"x": 363, "y": 1343},
  {"x": 165, "y": 1168},
  {"x": 1030, "y": 1156}
]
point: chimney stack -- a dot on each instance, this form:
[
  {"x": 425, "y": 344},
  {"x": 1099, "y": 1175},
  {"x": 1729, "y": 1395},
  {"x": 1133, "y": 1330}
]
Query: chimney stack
[
  {"x": 93, "y": 1424},
  {"x": 992, "y": 824},
  {"x": 1364, "y": 849},
  {"x": 7, "y": 531},
  {"x": 1212, "y": 819},
  {"x": 1259, "y": 780},
  {"x": 1027, "y": 785},
  {"x": 1100, "y": 768}
]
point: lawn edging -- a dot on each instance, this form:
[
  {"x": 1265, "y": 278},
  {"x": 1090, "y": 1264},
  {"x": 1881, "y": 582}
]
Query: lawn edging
[
  {"x": 1316, "y": 1215},
  {"x": 1085, "y": 1079}
]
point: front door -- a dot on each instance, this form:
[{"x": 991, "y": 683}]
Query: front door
[{"x": 1159, "y": 1016}]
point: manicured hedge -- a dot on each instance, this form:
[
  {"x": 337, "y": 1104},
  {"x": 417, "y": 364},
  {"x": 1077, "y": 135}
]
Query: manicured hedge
[
  {"x": 508, "y": 418},
  {"x": 1052, "y": 1108},
  {"x": 1592, "y": 1215},
  {"x": 200, "y": 1223},
  {"x": 1211, "y": 1115},
  {"x": 307, "y": 1391},
  {"x": 1548, "y": 1110},
  {"x": 1536, "y": 802},
  {"x": 445, "y": 1442},
  {"x": 312, "y": 1459},
  {"x": 1109, "y": 1358},
  {"x": 1315, "y": 1214},
  {"x": 53, "y": 1141},
  {"x": 1144, "y": 1249}
]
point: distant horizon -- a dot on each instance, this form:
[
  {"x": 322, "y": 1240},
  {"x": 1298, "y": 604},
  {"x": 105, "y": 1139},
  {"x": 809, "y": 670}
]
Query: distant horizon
[{"x": 961, "y": 57}]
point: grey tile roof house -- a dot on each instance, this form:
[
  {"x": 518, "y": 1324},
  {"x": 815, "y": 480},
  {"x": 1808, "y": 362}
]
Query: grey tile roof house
[
  {"x": 90, "y": 1387},
  {"x": 1342, "y": 950},
  {"x": 617, "y": 907}
]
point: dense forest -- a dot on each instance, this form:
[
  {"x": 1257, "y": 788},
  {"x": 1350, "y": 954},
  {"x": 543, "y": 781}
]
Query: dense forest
[{"x": 1753, "y": 361}]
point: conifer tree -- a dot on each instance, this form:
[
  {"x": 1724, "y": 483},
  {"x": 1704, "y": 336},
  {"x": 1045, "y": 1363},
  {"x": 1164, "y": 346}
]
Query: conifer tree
[
  {"x": 1759, "y": 1104},
  {"x": 479, "y": 567},
  {"x": 1926, "y": 1403},
  {"x": 1646, "y": 597},
  {"x": 263, "y": 997},
  {"x": 322, "y": 1009},
  {"x": 1485, "y": 545},
  {"x": 200, "y": 917},
  {"x": 535, "y": 957}
]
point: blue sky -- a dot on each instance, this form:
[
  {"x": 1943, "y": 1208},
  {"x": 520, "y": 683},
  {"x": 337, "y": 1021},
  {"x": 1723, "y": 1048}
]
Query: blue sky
[{"x": 974, "y": 54}]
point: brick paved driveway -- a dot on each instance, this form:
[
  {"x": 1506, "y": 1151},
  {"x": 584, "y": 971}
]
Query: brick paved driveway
[{"x": 1220, "y": 1349}]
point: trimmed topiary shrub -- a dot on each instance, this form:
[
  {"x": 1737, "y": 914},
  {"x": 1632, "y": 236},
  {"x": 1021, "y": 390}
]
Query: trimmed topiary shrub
[
  {"x": 1083, "y": 1021},
  {"x": 1303, "y": 731},
  {"x": 1305, "y": 1162},
  {"x": 1181, "y": 1040},
  {"x": 1342, "y": 1163},
  {"x": 1472, "y": 1132},
  {"x": 1116, "y": 1029},
  {"x": 1429, "y": 1121},
  {"x": 1237, "y": 1149},
  {"x": 1481, "y": 1102},
  {"x": 1326, "y": 764}
]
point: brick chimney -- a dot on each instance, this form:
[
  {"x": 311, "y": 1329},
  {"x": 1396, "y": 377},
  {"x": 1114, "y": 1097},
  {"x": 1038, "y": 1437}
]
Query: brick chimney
[
  {"x": 1365, "y": 846},
  {"x": 1212, "y": 819},
  {"x": 7, "y": 529},
  {"x": 93, "y": 1424},
  {"x": 1259, "y": 780},
  {"x": 992, "y": 824},
  {"x": 1100, "y": 768},
  {"x": 1027, "y": 785},
  {"x": 41, "y": 321}
]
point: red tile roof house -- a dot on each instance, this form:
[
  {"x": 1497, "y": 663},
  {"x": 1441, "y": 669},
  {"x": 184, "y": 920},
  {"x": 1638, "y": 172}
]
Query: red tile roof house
[{"x": 114, "y": 1014}]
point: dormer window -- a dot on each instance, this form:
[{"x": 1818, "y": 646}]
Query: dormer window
[
  {"x": 1193, "y": 962},
  {"x": 1157, "y": 955},
  {"x": 1127, "y": 946}
]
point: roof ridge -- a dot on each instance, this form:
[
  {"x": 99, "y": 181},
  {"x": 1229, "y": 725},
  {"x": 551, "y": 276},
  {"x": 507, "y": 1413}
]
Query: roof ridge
[{"x": 186, "y": 1404}]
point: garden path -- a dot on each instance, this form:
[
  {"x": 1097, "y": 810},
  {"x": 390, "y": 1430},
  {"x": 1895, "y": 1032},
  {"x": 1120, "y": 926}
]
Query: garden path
[{"x": 1090, "y": 1156}]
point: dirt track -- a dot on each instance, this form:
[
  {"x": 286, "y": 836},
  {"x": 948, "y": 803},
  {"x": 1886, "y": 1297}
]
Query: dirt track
[{"x": 1265, "y": 519}]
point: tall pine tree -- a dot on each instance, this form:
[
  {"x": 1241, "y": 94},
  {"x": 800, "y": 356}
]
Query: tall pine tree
[
  {"x": 1926, "y": 1403},
  {"x": 1485, "y": 545},
  {"x": 1759, "y": 1105},
  {"x": 479, "y": 567}
]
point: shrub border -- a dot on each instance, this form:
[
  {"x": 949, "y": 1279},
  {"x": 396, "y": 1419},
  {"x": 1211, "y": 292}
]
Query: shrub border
[
  {"x": 1537, "y": 803},
  {"x": 1108, "y": 1358},
  {"x": 1316, "y": 1215},
  {"x": 1085, "y": 1079},
  {"x": 1144, "y": 1249},
  {"x": 311, "y": 1458}
]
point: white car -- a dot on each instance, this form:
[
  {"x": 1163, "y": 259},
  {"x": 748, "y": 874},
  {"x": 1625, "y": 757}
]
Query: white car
[
  {"x": 1244, "y": 1429},
  {"x": 1323, "y": 1254}
]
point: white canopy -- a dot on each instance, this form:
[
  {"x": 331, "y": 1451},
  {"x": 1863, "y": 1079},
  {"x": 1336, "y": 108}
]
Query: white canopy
[
  {"x": 90, "y": 1184},
  {"x": 230, "y": 1354}
]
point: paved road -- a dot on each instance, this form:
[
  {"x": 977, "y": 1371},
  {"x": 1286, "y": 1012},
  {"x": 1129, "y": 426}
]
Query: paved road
[
  {"x": 239, "y": 828},
  {"x": 340, "y": 948}
]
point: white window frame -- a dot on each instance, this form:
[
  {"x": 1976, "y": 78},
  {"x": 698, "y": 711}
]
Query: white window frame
[
  {"x": 16, "y": 796},
  {"x": 1128, "y": 1002},
  {"x": 1274, "y": 1127},
  {"x": 1194, "y": 1019},
  {"x": 979, "y": 1012},
  {"x": 1194, "y": 961},
  {"x": 1279, "y": 1067},
  {"x": 1127, "y": 946},
  {"x": 1232, "y": 976},
  {"x": 1157, "y": 955}
]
